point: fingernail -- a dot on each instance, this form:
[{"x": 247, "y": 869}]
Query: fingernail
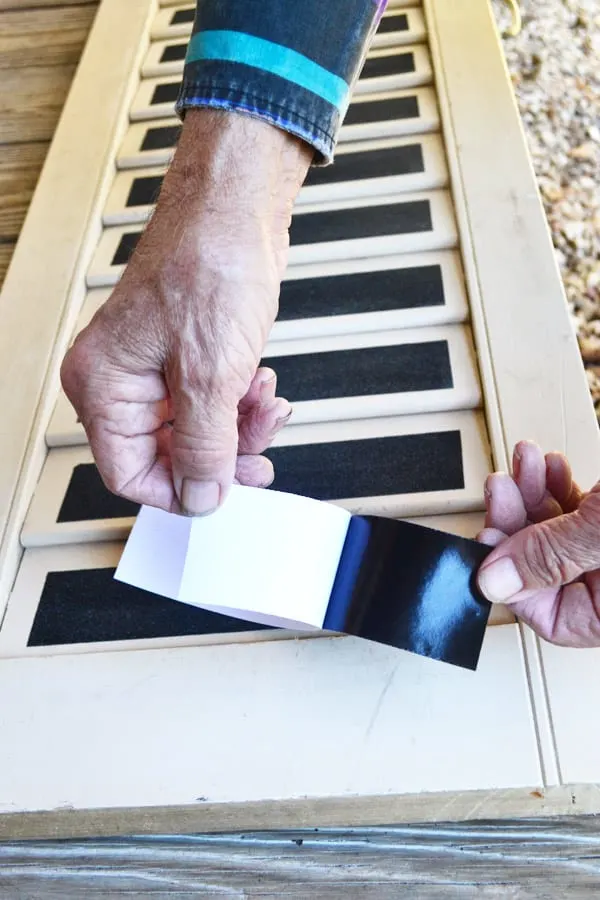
[
  {"x": 279, "y": 424},
  {"x": 200, "y": 498},
  {"x": 282, "y": 411},
  {"x": 500, "y": 580},
  {"x": 516, "y": 464},
  {"x": 284, "y": 418},
  {"x": 266, "y": 387}
]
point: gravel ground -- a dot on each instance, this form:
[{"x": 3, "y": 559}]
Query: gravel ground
[{"x": 555, "y": 67}]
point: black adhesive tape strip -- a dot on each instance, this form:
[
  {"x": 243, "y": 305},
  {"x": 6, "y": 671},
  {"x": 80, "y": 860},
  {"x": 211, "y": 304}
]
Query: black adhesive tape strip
[
  {"x": 87, "y": 605},
  {"x": 398, "y": 584},
  {"x": 370, "y": 467},
  {"x": 87, "y": 498},
  {"x": 392, "y": 64},
  {"x": 161, "y": 138},
  {"x": 361, "y": 292},
  {"x": 390, "y": 24},
  {"x": 127, "y": 245},
  {"x": 412, "y": 588},
  {"x": 405, "y": 464},
  {"x": 368, "y": 112},
  {"x": 386, "y": 162},
  {"x": 173, "y": 53},
  {"x": 408, "y": 217},
  {"x": 182, "y": 16},
  {"x": 144, "y": 191},
  {"x": 363, "y": 372},
  {"x": 165, "y": 93}
]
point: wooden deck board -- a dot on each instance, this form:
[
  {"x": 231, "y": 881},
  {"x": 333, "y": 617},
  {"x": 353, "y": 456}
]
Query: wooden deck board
[
  {"x": 40, "y": 45},
  {"x": 31, "y": 101},
  {"x": 545, "y": 858},
  {"x": 6, "y": 5},
  {"x": 6, "y": 252},
  {"x": 43, "y": 37},
  {"x": 20, "y": 166}
]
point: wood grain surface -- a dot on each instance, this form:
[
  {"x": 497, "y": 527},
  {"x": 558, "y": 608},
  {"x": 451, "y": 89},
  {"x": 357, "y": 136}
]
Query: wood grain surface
[
  {"x": 6, "y": 252},
  {"x": 19, "y": 5},
  {"x": 40, "y": 45},
  {"x": 20, "y": 165},
  {"x": 546, "y": 858},
  {"x": 43, "y": 37},
  {"x": 31, "y": 100}
]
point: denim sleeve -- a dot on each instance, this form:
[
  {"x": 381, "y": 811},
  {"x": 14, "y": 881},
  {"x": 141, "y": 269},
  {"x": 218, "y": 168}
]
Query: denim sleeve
[{"x": 292, "y": 63}]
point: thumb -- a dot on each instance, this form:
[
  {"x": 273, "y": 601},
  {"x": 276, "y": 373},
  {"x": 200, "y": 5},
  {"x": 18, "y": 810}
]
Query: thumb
[
  {"x": 203, "y": 451},
  {"x": 547, "y": 555}
]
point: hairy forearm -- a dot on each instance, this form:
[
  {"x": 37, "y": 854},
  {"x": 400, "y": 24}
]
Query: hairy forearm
[
  {"x": 239, "y": 161},
  {"x": 230, "y": 190}
]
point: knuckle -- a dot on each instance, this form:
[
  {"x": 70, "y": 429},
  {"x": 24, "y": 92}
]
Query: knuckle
[
  {"x": 77, "y": 366},
  {"x": 115, "y": 474},
  {"x": 199, "y": 453},
  {"x": 545, "y": 558},
  {"x": 69, "y": 373},
  {"x": 109, "y": 468},
  {"x": 204, "y": 384},
  {"x": 195, "y": 458},
  {"x": 114, "y": 483},
  {"x": 589, "y": 510},
  {"x": 595, "y": 491}
]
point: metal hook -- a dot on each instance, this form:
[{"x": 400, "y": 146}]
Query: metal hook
[{"x": 517, "y": 21}]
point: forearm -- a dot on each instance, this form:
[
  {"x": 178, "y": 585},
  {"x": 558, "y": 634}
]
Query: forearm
[
  {"x": 237, "y": 162},
  {"x": 228, "y": 195},
  {"x": 291, "y": 64}
]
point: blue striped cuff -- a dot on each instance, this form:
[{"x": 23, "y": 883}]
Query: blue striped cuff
[
  {"x": 236, "y": 46},
  {"x": 237, "y": 87}
]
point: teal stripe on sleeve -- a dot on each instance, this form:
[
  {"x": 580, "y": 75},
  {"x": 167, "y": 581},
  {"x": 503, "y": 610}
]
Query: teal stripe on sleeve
[{"x": 236, "y": 46}]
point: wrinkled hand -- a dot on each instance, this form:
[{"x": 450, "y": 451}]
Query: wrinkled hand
[
  {"x": 164, "y": 378},
  {"x": 546, "y": 565}
]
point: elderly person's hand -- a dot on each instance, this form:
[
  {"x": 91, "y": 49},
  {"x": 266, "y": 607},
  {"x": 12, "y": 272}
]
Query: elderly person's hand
[
  {"x": 165, "y": 378},
  {"x": 546, "y": 566}
]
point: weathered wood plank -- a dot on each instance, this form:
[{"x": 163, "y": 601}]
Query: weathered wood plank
[
  {"x": 44, "y": 37},
  {"x": 6, "y": 252},
  {"x": 525, "y": 859},
  {"x": 8, "y": 5},
  {"x": 31, "y": 101},
  {"x": 20, "y": 166}
]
